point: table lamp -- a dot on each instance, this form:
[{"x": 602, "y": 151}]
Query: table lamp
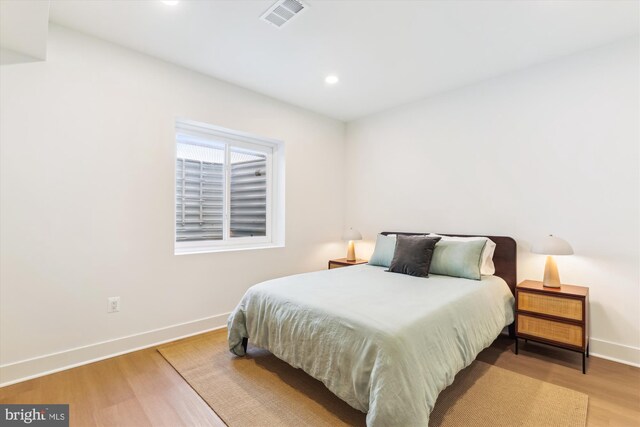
[
  {"x": 551, "y": 245},
  {"x": 351, "y": 235}
]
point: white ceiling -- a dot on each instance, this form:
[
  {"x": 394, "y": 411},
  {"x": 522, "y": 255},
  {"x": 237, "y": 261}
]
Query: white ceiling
[{"x": 385, "y": 53}]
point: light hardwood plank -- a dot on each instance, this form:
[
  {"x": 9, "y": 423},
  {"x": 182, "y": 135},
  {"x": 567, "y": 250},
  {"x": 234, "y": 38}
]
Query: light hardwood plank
[
  {"x": 136, "y": 389},
  {"x": 142, "y": 389}
]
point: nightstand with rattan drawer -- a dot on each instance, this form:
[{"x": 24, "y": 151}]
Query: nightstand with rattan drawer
[{"x": 555, "y": 316}]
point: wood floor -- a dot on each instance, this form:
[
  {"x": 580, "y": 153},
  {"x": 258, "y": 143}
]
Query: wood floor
[
  {"x": 613, "y": 388},
  {"x": 141, "y": 388}
]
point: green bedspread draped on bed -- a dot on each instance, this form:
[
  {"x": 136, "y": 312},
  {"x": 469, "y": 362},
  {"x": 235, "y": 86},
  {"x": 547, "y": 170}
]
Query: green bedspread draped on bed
[{"x": 385, "y": 343}]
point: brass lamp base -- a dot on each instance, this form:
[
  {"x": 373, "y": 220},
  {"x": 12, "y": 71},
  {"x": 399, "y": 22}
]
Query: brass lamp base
[
  {"x": 551, "y": 276},
  {"x": 351, "y": 251}
]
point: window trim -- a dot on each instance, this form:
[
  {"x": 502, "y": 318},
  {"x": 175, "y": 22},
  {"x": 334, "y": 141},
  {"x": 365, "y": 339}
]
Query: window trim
[{"x": 275, "y": 220}]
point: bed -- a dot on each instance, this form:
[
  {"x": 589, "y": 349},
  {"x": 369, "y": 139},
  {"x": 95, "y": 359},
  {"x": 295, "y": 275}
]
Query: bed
[{"x": 385, "y": 343}]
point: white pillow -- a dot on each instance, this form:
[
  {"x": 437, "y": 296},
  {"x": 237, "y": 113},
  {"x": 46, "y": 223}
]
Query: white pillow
[{"x": 487, "y": 268}]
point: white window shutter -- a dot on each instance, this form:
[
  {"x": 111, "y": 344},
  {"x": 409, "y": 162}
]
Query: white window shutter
[{"x": 199, "y": 200}]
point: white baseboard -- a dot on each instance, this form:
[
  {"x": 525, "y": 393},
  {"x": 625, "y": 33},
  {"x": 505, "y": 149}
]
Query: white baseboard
[
  {"x": 615, "y": 352},
  {"x": 611, "y": 351},
  {"x": 27, "y": 369}
]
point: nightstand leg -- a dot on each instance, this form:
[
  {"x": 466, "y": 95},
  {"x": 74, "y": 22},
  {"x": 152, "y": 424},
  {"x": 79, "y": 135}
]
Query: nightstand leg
[
  {"x": 584, "y": 361},
  {"x": 587, "y": 350},
  {"x": 516, "y": 345}
]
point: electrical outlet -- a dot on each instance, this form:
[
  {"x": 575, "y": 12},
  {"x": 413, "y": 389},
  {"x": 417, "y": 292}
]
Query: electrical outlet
[{"x": 114, "y": 304}]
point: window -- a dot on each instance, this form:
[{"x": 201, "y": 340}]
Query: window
[{"x": 229, "y": 190}]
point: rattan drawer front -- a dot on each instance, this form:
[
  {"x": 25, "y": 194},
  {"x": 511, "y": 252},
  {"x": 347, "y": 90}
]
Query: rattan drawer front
[
  {"x": 555, "y": 331},
  {"x": 569, "y": 308}
]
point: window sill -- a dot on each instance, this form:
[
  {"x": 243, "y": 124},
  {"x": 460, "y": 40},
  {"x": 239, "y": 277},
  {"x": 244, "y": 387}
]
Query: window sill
[{"x": 229, "y": 248}]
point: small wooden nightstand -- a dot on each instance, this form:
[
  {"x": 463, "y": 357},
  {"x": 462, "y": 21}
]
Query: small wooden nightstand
[
  {"x": 555, "y": 316},
  {"x": 342, "y": 262}
]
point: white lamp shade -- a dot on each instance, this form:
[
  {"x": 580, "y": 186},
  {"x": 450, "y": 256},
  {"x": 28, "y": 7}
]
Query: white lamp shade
[
  {"x": 552, "y": 245},
  {"x": 351, "y": 234}
]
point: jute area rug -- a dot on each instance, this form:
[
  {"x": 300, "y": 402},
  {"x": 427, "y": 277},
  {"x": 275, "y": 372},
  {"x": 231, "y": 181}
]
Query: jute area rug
[{"x": 261, "y": 390}]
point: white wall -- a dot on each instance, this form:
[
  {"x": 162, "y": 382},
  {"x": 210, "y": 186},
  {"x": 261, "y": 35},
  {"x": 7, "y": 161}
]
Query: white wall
[
  {"x": 86, "y": 191},
  {"x": 87, "y": 208},
  {"x": 23, "y": 30},
  {"x": 550, "y": 149}
]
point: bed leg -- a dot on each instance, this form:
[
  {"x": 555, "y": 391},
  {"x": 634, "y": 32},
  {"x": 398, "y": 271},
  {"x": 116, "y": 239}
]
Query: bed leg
[
  {"x": 512, "y": 330},
  {"x": 245, "y": 341}
]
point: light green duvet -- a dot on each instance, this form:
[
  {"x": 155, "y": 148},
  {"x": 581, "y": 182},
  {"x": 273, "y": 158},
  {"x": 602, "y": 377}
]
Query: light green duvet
[{"x": 385, "y": 343}]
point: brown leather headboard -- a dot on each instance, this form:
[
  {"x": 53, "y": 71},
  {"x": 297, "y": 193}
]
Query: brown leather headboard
[{"x": 504, "y": 258}]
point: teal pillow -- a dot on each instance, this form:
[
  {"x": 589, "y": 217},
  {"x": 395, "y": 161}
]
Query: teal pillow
[
  {"x": 383, "y": 253},
  {"x": 458, "y": 259}
]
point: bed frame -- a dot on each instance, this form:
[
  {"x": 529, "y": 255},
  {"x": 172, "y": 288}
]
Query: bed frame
[{"x": 504, "y": 259}]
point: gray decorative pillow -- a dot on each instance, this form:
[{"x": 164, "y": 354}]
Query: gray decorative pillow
[
  {"x": 413, "y": 255},
  {"x": 458, "y": 258}
]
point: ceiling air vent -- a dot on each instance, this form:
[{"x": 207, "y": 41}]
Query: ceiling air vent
[{"x": 282, "y": 12}]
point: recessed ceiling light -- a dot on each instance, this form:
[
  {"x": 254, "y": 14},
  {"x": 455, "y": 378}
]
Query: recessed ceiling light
[
  {"x": 331, "y": 79},
  {"x": 170, "y": 2}
]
